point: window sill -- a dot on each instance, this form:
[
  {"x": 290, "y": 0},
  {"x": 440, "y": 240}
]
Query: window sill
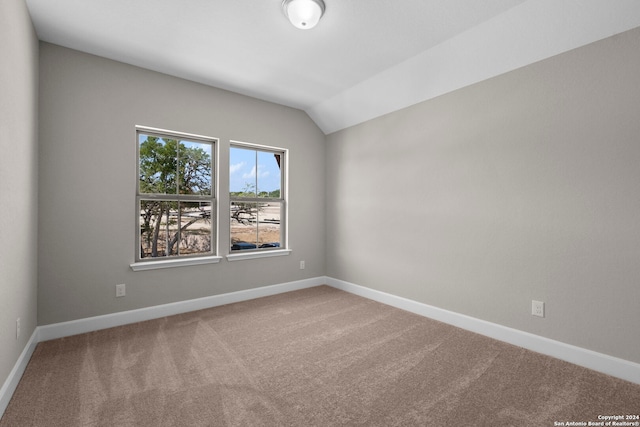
[
  {"x": 168, "y": 263},
  {"x": 262, "y": 254}
]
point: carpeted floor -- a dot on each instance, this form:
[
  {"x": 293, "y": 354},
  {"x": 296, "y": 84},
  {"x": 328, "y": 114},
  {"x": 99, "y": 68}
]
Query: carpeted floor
[{"x": 315, "y": 357}]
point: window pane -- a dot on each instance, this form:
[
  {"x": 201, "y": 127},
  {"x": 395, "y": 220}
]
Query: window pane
[
  {"x": 268, "y": 174},
  {"x": 255, "y": 225},
  {"x": 269, "y": 225},
  {"x": 242, "y": 172},
  {"x": 175, "y": 198},
  {"x": 256, "y": 174},
  {"x": 195, "y": 228},
  {"x": 157, "y": 227},
  {"x": 195, "y": 169},
  {"x": 244, "y": 226},
  {"x": 158, "y": 164}
]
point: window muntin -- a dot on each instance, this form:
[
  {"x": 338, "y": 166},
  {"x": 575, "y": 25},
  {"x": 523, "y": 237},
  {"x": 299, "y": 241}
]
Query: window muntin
[
  {"x": 175, "y": 197},
  {"x": 256, "y": 193}
]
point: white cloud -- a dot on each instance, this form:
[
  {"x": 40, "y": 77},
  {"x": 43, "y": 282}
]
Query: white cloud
[
  {"x": 250, "y": 175},
  {"x": 236, "y": 167},
  {"x": 261, "y": 173}
]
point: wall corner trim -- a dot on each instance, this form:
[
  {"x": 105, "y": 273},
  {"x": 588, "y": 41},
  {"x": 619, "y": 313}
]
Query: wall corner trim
[
  {"x": 616, "y": 367},
  {"x": 11, "y": 383}
]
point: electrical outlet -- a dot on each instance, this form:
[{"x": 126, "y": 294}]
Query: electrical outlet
[
  {"x": 17, "y": 328},
  {"x": 301, "y": 265},
  {"x": 537, "y": 308},
  {"x": 121, "y": 290}
]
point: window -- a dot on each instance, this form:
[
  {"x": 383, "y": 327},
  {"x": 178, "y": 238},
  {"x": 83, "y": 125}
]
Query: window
[
  {"x": 175, "y": 200},
  {"x": 257, "y": 197}
]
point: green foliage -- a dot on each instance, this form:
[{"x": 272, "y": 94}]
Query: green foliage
[
  {"x": 168, "y": 165},
  {"x": 250, "y": 192}
]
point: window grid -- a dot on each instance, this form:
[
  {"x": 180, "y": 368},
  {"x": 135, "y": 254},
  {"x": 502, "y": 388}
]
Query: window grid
[
  {"x": 175, "y": 197},
  {"x": 257, "y": 221}
]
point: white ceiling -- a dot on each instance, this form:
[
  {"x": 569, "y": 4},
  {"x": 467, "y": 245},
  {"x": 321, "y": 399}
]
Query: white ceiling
[{"x": 364, "y": 59}]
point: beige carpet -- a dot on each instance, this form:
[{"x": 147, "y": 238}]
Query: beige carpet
[{"x": 315, "y": 357}]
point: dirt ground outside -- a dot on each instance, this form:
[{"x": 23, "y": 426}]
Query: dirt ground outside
[
  {"x": 269, "y": 233},
  {"x": 260, "y": 228},
  {"x": 265, "y": 223}
]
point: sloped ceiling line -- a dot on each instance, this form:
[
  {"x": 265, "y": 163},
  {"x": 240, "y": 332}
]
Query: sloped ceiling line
[
  {"x": 365, "y": 58},
  {"x": 528, "y": 33}
]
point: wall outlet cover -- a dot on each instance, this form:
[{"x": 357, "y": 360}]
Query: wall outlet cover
[
  {"x": 121, "y": 290},
  {"x": 537, "y": 308}
]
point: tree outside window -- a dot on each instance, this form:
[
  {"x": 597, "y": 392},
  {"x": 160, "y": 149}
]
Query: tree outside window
[{"x": 175, "y": 199}]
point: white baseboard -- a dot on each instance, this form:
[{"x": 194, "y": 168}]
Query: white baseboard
[
  {"x": 74, "y": 327},
  {"x": 609, "y": 365},
  {"x": 604, "y": 363},
  {"x": 80, "y": 326},
  {"x": 11, "y": 383}
]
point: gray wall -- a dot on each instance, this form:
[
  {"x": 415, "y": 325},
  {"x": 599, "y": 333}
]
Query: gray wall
[
  {"x": 521, "y": 187},
  {"x": 525, "y": 186},
  {"x": 89, "y": 107},
  {"x": 18, "y": 180}
]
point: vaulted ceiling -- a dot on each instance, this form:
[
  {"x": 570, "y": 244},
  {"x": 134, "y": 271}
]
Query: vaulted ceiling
[{"x": 365, "y": 58}]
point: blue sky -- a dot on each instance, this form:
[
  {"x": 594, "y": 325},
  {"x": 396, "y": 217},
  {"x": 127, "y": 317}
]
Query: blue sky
[{"x": 244, "y": 167}]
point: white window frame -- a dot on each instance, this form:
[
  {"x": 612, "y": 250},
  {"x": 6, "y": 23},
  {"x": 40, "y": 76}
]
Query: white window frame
[
  {"x": 178, "y": 260},
  {"x": 284, "y": 249}
]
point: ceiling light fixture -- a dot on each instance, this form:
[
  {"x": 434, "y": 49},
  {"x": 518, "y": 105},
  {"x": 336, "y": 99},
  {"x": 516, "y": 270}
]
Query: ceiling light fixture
[{"x": 303, "y": 14}]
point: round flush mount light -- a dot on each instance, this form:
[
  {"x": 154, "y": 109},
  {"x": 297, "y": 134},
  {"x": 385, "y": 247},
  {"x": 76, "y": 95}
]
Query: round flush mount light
[{"x": 303, "y": 14}]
